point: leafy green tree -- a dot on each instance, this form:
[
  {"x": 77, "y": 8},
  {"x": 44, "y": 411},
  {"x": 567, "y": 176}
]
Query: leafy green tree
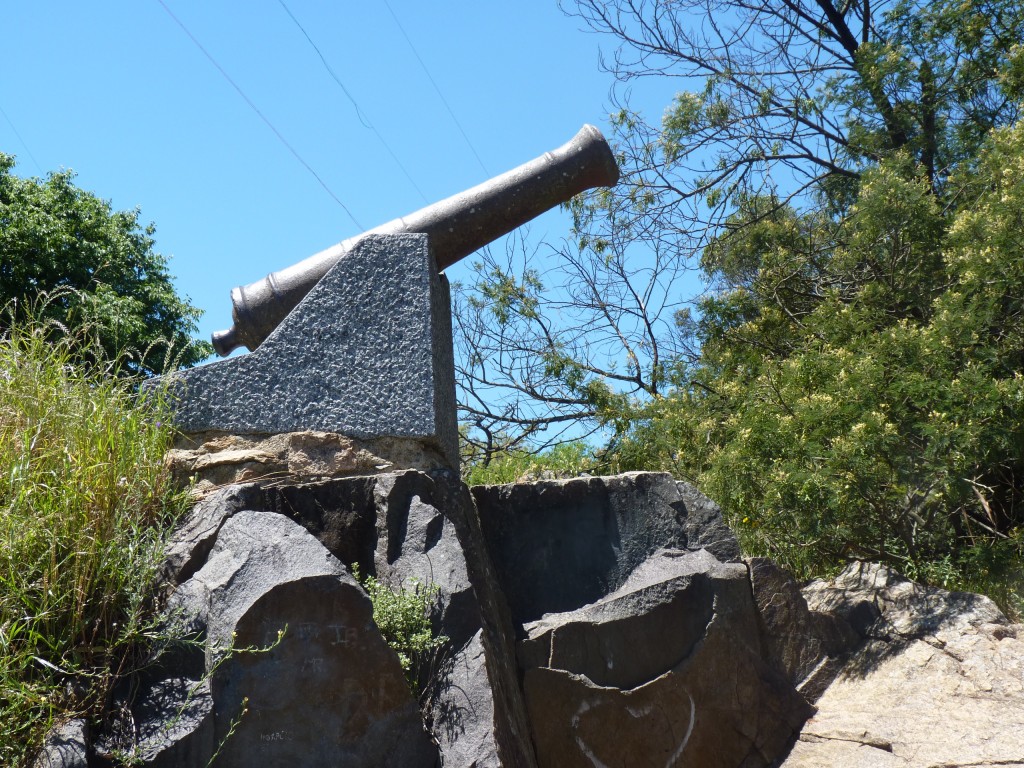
[
  {"x": 782, "y": 109},
  {"x": 846, "y": 179},
  {"x": 884, "y": 420},
  {"x": 96, "y": 267}
]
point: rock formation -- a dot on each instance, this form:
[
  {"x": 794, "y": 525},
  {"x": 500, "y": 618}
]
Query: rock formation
[
  {"x": 595, "y": 621},
  {"x": 939, "y": 680},
  {"x": 589, "y": 622}
]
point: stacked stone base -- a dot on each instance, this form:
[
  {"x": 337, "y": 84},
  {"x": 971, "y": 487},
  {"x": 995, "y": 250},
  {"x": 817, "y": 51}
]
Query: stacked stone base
[{"x": 207, "y": 461}]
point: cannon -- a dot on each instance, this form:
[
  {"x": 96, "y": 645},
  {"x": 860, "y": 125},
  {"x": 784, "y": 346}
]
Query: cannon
[{"x": 456, "y": 226}]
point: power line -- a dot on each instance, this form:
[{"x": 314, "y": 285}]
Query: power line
[
  {"x": 359, "y": 112},
  {"x": 436, "y": 88},
  {"x": 27, "y": 150},
  {"x": 263, "y": 117}
]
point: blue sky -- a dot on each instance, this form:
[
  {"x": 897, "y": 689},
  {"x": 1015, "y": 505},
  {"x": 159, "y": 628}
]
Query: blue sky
[{"x": 118, "y": 92}]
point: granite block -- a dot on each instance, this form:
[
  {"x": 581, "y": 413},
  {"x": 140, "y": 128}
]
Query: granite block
[{"x": 367, "y": 353}]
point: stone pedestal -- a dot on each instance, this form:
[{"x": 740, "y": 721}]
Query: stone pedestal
[{"x": 366, "y": 354}]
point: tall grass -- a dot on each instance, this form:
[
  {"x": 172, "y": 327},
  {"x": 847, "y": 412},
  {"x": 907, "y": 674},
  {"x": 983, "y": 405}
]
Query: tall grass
[{"x": 85, "y": 503}]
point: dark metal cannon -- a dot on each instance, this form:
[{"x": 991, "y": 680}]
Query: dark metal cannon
[{"x": 457, "y": 226}]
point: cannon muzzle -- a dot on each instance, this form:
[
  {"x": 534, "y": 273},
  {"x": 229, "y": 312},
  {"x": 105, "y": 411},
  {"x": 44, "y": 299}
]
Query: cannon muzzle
[{"x": 456, "y": 226}]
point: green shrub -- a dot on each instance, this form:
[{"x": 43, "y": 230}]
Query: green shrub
[
  {"x": 403, "y": 618},
  {"x": 85, "y": 503},
  {"x": 860, "y": 388}
]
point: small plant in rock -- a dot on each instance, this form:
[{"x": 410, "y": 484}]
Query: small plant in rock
[{"x": 403, "y": 617}]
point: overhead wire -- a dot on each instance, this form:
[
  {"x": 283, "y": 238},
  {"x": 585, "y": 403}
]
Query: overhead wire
[
  {"x": 359, "y": 112},
  {"x": 263, "y": 117},
  {"x": 436, "y": 87},
  {"x": 23, "y": 143}
]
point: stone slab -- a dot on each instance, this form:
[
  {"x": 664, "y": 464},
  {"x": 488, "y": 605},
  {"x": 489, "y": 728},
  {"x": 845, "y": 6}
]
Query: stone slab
[
  {"x": 666, "y": 671},
  {"x": 204, "y": 462},
  {"x": 560, "y": 544},
  {"x": 367, "y": 353}
]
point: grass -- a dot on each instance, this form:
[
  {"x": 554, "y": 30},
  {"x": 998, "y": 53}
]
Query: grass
[
  {"x": 85, "y": 504},
  {"x": 560, "y": 461}
]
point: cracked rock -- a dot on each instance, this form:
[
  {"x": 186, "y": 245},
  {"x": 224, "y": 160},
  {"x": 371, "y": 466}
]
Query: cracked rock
[
  {"x": 326, "y": 691},
  {"x": 938, "y": 683},
  {"x": 561, "y": 544},
  {"x": 667, "y": 670}
]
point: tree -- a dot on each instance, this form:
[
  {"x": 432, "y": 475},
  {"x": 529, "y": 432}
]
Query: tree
[
  {"x": 543, "y": 360},
  {"x": 800, "y": 96},
  {"x": 845, "y": 177},
  {"x": 887, "y": 422},
  {"x": 785, "y": 106},
  {"x": 92, "y": 266}
]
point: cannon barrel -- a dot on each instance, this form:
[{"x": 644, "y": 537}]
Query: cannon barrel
[{"x": 456, "y": 226}]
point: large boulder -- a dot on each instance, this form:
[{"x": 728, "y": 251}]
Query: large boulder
[
  {"x": 938, "y": 681},
  {"x": 292, "y": 669},
  {"x": 591, "y": 621},
  {"x": 459, "y": 707},
  {"x": 809, "y": 647},
  {"x": 560, "y": 544},
  {"x": 666, "y": 670},
  {"x": 640, "y": 641},
  {"x": 418, "y": 542},
  {"x": 405, "y": 529},
  {"x": 409, "y": 528}
]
